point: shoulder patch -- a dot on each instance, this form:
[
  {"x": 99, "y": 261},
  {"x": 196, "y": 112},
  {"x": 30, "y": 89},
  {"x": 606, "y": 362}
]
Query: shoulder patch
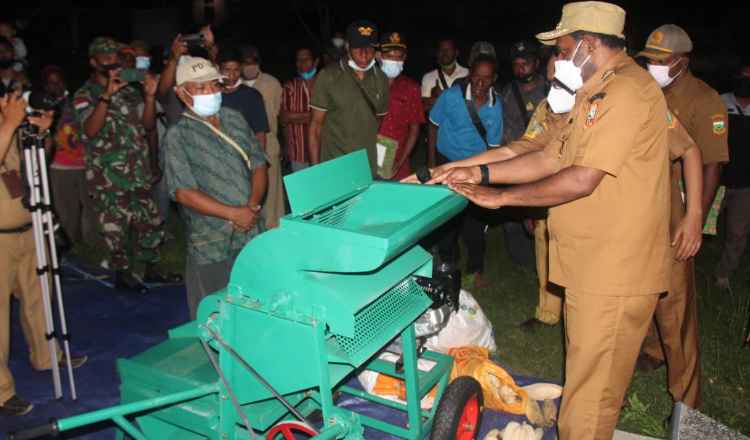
[
  {"x": 599, "y": 95},
  {"x": 591, "y": 118},
  {"x": 533, "y": 131},
  {"x": 671, "y": 120},
  {"x": 719, "y": 126},
  {"x": 81, "y": 103}
]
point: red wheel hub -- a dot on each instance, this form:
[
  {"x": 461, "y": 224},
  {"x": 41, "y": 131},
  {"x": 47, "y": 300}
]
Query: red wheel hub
[
  {"x": 469, "y": 418},
  {"x": 288, "y": 429}
]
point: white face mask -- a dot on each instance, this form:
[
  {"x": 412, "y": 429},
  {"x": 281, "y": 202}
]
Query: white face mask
[
  {"x": 391, "y": 68},
  {"x": 338, "y": 43},
  {"x": 560, "y": 100},
  {"x": 568, "y": 73},
  {"x": 231, "y": 86},
  {"x": 354, "y": 65},
  {"x": 661, "y": 73}
]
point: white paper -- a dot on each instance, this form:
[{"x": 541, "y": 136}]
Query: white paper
[{"x": 381, "y": 153}]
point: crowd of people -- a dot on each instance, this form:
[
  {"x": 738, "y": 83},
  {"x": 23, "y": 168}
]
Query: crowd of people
[{"x": 615, "y": 165}]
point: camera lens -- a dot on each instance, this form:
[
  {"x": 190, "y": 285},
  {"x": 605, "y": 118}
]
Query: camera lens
[{"x": 40, "y": 100}]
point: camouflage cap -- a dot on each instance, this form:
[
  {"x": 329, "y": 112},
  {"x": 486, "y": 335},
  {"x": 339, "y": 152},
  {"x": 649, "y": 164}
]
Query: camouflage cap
[
  {"x": 666, "y": 41},
  {"x": 597, "y": 17},
  {"x": 103, "y": 45}
]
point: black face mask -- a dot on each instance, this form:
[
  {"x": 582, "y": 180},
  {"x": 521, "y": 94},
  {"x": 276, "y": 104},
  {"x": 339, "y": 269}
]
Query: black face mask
[
  {"x": 108, "y": 68},
  {"x": 525, "y": 79},
  {"x": 741, "y": 87},
  {"x": 4, "y": 64}
]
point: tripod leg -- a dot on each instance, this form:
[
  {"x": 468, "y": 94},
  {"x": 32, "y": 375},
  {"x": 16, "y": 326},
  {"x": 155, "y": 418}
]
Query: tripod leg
[
  {"x": 32, "y": 176},
  {"x": 47, "y": 214}
]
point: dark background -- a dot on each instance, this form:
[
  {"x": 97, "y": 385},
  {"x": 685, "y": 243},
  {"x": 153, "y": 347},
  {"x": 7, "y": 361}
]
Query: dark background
[{"x": 58, "y": 31}]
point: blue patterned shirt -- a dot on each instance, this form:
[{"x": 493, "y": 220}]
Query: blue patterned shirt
[{"x": 197, "y": 158}]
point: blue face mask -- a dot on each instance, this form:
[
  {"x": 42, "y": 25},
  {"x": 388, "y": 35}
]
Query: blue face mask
[
  {"x": 354, "y": 65},
  {"x": 308, "y": 75},
  {"x": 206, "y": 105},
  {"x": 142, "y": 62}
]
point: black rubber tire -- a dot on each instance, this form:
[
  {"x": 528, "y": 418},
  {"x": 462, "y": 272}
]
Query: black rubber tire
[{"x": 451, "y": 406}]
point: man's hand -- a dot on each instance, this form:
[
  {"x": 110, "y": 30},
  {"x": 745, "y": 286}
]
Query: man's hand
[
  {"x": 44, "y": 121},
  {"x": 458, "y": 175},
  {"x": 156, "y": 174},
  {"x": 114, "y": 83},
  {"x": 436, "y": 91},
  {"x": 149, "y": 85},
  {"x": 481, "y": 195},
  {"x": 209, "y": 36},
  {"x": 14, "y": 108},
  {"x": 689, "y": 236},
  {"x": 179, "y": 48},
  {"x": 245, "y": 217},
  {"x": 412, "y": 178}
]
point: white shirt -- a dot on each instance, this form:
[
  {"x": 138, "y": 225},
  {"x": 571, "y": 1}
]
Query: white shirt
[{"x": 429, "y": 78}]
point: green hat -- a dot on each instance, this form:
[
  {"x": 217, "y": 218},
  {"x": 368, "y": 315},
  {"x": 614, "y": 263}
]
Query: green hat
[
  {"x": 103, "y": 45},
  {"x": 666, "y": 41},
  {"x": 597, "y": 17}
]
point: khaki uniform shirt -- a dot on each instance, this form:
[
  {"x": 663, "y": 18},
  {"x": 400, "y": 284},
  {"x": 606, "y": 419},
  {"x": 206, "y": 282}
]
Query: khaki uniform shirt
[
  {"x": 615, "y": 242},
  {"x": 12, "y": 213},
  {"x": 702, "y": 113}
]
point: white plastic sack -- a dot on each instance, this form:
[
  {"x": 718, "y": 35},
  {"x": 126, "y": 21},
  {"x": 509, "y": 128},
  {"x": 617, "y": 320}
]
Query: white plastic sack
[
  {"x": 368, "y": 378},
  {"x": 468, "y": 326}
]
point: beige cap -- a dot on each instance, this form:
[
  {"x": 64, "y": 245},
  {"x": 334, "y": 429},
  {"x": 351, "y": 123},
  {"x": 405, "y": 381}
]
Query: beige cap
[
  {"x": 666, "y": 41},
  {"x": 196, "y": 69},
  {"x": 597, "y": 17}
]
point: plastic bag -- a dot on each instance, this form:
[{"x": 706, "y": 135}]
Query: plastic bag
[
  {"x": 500, "y": 390},
  {"x": 391, "y": 388},
  {"x": 468, "y": 326}
]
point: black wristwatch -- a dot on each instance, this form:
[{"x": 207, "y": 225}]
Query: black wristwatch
[{"x": 485, "y": 174}]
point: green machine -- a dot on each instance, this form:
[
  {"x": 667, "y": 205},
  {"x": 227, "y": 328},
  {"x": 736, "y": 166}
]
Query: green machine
[{"x": 307, "y": 304}]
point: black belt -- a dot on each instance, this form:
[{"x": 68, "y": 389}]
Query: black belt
[{"x": 23, "y": 228}]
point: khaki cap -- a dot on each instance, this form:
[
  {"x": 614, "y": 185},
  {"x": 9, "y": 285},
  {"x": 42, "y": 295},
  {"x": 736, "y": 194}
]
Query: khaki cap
[
  {"x": 196, "y": 69},
  {"x": 597, "y": 17},
  {"x": 666, "y": 41}
]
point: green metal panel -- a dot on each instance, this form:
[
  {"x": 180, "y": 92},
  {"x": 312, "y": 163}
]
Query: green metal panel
[{"x": 327, "y": 182}]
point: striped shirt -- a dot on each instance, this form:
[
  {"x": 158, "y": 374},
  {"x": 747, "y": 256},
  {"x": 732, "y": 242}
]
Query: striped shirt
[{"x": 295, "y": 97}]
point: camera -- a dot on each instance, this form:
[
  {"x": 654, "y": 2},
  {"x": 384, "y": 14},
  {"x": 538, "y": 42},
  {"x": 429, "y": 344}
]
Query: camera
[
  {"x": 193, "y": 40},
  {"x": 40, "y": 100}
]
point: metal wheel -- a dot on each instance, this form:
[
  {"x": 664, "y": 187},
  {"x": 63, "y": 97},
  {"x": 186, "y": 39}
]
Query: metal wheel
[
  {"x": 459, "y": 411},
  {"x": 289, "y": 430}
]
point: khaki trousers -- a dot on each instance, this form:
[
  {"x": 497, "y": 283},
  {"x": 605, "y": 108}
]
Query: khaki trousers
[
  {"x": 604, "y": 335},
  {"x": 273, "y": 208},
  {"x": 550, "y": 294},
  {"x": 18, "y": 277},
  {"x": 676, "y": 326}
]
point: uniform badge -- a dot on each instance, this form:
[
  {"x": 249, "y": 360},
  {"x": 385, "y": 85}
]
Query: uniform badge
[
  {"x": 529, "y": 106},
  {"x": 533, "y": 131},
  {"x": 671, "y": 120},
  {"x": 719, "y": 126},
  {"x": 81, "y": 103},
  {"x": 591, "y": 118}
]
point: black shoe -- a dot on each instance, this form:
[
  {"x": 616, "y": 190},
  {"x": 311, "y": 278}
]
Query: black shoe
[
  {"x": 15, "y": 406},
  {"x": 532, "y": 324},
  {"x": 129, "y": 282},
  {"x": 157, "y": 274},
  {"x": 76, "y": 361},
  {"x": 646, "y": 363}
]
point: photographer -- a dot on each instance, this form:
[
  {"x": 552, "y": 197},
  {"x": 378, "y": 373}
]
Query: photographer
[
  {"x": 115, "y": 118},
  {"x": 18, "y": 265}
]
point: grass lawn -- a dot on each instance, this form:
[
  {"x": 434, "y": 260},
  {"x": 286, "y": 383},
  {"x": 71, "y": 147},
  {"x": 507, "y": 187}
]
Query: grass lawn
[{"x": 513, "y": 299}]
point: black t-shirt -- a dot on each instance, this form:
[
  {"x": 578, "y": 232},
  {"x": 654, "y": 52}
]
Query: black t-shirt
[
  {"x": 736, "y": 173},
  {"x": 249, "y": 102}
]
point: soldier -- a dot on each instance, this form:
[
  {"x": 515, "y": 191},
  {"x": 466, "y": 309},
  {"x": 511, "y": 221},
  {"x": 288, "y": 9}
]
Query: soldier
[{"x": 115, "y": 118}]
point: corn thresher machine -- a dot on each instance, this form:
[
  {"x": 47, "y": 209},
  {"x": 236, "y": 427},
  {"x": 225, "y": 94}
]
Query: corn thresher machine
[{"x": 307, "y": 304}]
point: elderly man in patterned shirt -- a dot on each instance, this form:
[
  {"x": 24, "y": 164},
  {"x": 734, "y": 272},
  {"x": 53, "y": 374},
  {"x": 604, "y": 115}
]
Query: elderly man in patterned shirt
[{"x": 217, "y": 172}]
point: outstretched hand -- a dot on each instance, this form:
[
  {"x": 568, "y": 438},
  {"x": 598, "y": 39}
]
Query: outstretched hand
[{"x": 480, "y": 195}]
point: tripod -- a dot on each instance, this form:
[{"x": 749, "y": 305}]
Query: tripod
[{"x": 40, "y": 206}]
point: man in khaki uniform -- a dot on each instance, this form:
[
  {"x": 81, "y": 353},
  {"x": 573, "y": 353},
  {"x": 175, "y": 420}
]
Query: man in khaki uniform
[
  {"x": 607, "y": 183},
  {"x": 702, "y": 112},
  {"x": 270, "y": 88},
  {"x": 18, "y": 263}
]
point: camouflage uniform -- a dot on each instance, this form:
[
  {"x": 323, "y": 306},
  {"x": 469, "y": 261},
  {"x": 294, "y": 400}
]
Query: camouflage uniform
[{"x": 118, "y": 173}]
